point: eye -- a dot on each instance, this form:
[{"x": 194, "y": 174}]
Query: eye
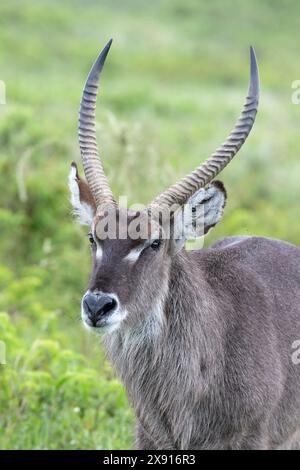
[
  {"x": 155, "y": 244},
  {"x": 91, "y": 238}
]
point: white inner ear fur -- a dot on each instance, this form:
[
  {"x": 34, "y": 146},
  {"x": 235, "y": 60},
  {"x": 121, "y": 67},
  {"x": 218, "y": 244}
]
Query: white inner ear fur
[
  {"x": 208, "y": 206},
  {"x": 202, "y": 212},
  {"x": 82, "y": 211}
]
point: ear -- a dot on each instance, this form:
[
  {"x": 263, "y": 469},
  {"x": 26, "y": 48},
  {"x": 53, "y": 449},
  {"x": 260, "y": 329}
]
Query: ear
[
  {"x": 202, "y": 212},
  {"x": 82, "y": 200},
  {"x": 206, "y": 207}
]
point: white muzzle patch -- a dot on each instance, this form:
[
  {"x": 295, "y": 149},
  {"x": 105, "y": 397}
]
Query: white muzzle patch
[{"x": 112, "y": 322}]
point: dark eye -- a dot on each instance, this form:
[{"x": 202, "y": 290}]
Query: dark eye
[
  {"x": 91, "y": 239},
  {"x": 155, "y": 244}
]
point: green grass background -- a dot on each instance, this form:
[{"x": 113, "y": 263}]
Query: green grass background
[{"x": 172, "y": 88}]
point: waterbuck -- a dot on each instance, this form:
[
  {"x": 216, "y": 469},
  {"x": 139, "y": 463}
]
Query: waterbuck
[{"x": 201, "y": 339}]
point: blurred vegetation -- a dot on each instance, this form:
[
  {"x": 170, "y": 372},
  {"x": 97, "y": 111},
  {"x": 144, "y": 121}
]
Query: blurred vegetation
[{"x": 173, "y": 86}]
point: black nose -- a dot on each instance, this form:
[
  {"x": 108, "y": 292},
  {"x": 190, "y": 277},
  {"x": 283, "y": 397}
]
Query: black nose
[{"x": 97, "y": 306}]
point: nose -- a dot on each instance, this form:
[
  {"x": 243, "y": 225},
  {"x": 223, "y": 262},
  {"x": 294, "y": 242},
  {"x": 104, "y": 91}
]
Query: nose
[{"x": 97, "y": 306}]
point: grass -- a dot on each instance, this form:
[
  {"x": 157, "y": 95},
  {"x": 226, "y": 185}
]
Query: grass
[{"x": 173, "y": 86}]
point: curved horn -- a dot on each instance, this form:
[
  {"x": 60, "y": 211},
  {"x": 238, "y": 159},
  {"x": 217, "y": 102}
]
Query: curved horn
[
  {"x": 187, "y": 186},
  {"x": 91, "y": 160}
]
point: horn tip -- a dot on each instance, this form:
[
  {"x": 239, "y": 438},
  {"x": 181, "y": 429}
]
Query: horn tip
[
  {"x": 107, "y": 47},
  {"x": 103, "y": 54},
  {"x": 96, "y": 70},
  {"x": 254, "y": 75}
]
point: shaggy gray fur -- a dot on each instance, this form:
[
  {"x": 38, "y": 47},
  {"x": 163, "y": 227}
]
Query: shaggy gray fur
[{"x": 218, "y": 374}]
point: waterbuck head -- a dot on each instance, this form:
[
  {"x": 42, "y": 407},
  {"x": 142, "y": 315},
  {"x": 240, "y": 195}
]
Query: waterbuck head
[{"x": 133, "y": 251}]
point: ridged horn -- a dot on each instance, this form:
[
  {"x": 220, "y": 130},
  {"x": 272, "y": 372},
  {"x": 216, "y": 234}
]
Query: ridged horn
[
  {"x": 187, "y": 186},
  {"x": 91, "y": 161}
]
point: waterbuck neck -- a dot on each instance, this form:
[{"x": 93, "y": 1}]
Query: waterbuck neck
[{"x": 177, "y": 364}]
